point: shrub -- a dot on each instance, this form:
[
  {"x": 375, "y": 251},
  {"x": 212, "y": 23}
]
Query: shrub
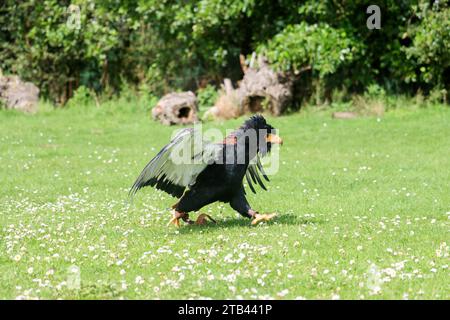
[
  {"x": 438, "y": 95},
  {"x": 430, "y": 49},
  {"x": 82, "y": 97},
  {"x": 207, "y": 97},
  {"x": 318, "y": 46}
]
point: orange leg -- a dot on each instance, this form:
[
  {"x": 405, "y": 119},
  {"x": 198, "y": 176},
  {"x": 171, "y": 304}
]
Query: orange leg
[
  {"x": 201, "y": 220},
  {"x": 176, "y": 218},
  {"x": 257, "y": 217}
]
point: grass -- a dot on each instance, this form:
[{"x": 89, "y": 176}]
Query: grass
[{"x": 363, "y": 210}]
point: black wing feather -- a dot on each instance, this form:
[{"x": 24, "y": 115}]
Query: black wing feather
[
  {"x": 252, "y": 174},
  {"x": 255, "y": 174},
  {"x": 249, "y": 181},
  {"x": 260, "y": 167}
]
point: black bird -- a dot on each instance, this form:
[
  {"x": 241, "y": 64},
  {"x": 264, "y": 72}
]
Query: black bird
[{"x": 200, "y": 172}]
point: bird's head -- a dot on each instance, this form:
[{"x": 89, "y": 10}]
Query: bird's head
[{"x": 263, "y": 131}]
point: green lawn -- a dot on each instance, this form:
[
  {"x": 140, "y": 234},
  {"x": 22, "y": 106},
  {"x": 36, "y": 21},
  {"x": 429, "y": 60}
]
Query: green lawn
[{"x": 364, "y": 208}]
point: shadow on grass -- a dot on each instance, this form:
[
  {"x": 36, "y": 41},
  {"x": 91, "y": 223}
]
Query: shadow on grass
[{"x": 286, "y": 219}]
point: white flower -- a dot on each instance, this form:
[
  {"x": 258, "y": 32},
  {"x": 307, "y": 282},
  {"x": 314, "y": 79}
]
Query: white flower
[
  {"x": 374, "y": 280},
  {"x": 282, "y": 293},
  {"x": 139, "y": 280}
]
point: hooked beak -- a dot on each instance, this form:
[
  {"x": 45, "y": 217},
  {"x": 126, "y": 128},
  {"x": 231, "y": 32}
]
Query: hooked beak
[{"x": 273, "y": 138}]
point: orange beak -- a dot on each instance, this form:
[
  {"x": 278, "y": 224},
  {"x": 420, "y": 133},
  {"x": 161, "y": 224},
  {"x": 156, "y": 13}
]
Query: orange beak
[{"x": 273, "y": 138}]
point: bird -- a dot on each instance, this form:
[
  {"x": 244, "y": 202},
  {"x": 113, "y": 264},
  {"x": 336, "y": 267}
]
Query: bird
[{"x": 199, "y": 172}]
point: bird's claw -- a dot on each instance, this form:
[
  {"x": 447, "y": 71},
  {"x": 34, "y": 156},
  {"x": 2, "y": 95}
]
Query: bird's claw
[
  {"x": 175, "y": 221},
  {"x": 262, "y": 217},
  {"x": 176, "y": 218},
  {"x": 203, "y": 219}
]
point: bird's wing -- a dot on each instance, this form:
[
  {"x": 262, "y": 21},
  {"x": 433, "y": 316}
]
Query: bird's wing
[
  {"x": 253, "y": 172},
  {"x": 178, "y": 164}
]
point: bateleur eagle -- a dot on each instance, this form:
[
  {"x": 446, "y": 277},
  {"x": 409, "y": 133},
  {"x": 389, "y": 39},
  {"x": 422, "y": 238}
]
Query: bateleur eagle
[{"x": 199, "y": 172}]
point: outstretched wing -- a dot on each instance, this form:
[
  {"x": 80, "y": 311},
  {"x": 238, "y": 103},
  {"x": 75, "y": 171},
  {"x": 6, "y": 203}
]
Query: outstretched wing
[
  {"x": 178, "y": 164},
  {"x": 253, "y": 172}
]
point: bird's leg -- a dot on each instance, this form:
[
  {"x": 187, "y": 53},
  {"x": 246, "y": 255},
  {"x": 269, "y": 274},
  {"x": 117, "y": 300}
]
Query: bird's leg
[
  {"x": 241, "y": 205},
  {"x": 186, "y": 219},
  {"x": 176, "y": 218},
  {"x": 257, "y": 217},
  {"x": 203, "y": 219}
]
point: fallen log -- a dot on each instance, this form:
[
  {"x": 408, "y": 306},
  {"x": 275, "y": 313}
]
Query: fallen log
[{"x": 176, "y": 108}]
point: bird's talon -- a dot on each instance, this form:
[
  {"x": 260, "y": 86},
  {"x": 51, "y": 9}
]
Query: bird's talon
[
  {"x": 262, "y": 217},
  {"x": 175, "y": 221}
]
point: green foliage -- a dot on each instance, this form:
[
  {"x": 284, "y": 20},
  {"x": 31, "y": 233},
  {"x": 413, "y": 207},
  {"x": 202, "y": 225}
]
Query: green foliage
[
  {"x": 430, "y": 48},
  {"x": 375, "y": 91},
  {"x": 207, "y": 96},
  {"x": 154, "y": 81},
  {"x": 174, "y": 44},
  {"x": 318, "y": 46},
  {"x": 82, "y": 97},
  {"x": 438, "y": 95}
]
